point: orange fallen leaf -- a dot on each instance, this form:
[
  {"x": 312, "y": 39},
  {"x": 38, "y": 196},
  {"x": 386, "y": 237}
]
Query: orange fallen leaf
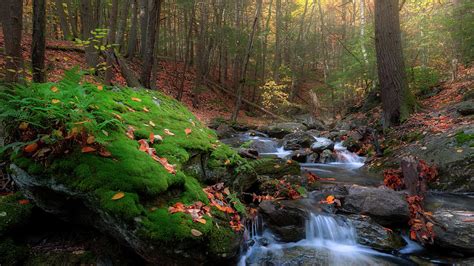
[
  {"x": 31, "y": 147},
  {"x": 117, "y": 116},
  {"x": 100, "y": 87},
  {"x": 200, "y": 220},
  {"x": 90, "y": 139},
  {"x": 24, "y": 202},
  {"x": 105, "y": 153},
  {"x": 55, "y": 101},
  {"x": 196, "y": 233},
  {"x": 23, "y": 125},
  {"x": 413, "y": 235},
  {"x": 146, "y": 110},
  {"x": 188, "y": 131},
  {"x": 330, "y": 199},
  {"x": 118, "y": 196},
  {"x": 54, "y": 89},
  {"x": 88, "y": 149},
  {"x": 136, "y": 99}
]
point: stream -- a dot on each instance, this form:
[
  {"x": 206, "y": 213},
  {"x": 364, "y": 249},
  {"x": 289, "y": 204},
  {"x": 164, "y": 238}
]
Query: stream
[{"x": 329, "y": 240}]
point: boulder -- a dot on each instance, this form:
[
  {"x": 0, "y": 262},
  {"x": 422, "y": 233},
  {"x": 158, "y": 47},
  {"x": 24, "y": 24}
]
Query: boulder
[
  {"x": 298, "y": 140},
  {"x": 384, "y": 205},
  {"x": 311, "y": 122},
  {"x": 301, "y": 155},
  {"x": 263, "y": 145},
  {"x": 225, "y": 131},
  {"x": 454, "y": 230},
  {"x": 466, "y": 108},
  {"x": 322, "y": 144},
  {"x": 282, "y": 129},
  {"x": 373, "y": 235},
  {"x": 276, "y": 168},
  {"x": 326, "y": 156}
]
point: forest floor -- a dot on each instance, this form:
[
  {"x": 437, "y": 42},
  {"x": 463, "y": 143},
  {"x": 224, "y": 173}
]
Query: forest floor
[{"x": 208, "y": 105}]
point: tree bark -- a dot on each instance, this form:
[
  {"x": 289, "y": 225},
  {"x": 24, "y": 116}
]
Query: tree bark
[
  {"x": 150, "y": 43},
  {"x": 397, "y": 102},
  {"x": 238, "y": 101},
  {"x": 88, "y": 24},
  {"x": 63, "y": 19},
  {"x": 122, "y": 23},
  {"x": 38, "y": 45},
  {"x": 143, "y": 15},
  {"x": 109, "y": 73},
  {"x": 12, "y": 27},
  {"x": 277, "y": 57},
  {"x": 132, "y": 37}
]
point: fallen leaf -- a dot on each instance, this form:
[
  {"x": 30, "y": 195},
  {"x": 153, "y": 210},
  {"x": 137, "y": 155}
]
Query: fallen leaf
[
  {"x": 31, "y": 147},
  {"x": 151, "y": 123},
  {"x": 55, "y": 101},
  {"x": 226, "y": 191},
  {"x": 200, "y": 220},
  {"x": 24, "y": 202},
  {"x": 459, "y": 151},
  {"x": 54, "y": 89},
  {"x": 227, "y": 162},
  {"x": 105, "y": 133},
  {"x": 105, "y": 153},
  {"x": 88, "y": 149},
  {"x": 90, "y": 139},
  {"x": 330, "y": 199},
  {"x": 117, "y": 116},
  {"x": 196, "y": 233},
  {"x": 168, "y": 132},
  {"x": 136, "y": 99},
  {"x": 146, "y": 110},
  {"x": 118, "y": 196},
  {"x": 130, "y": 132},
  {"x": 100, "y": 87},
  {"x": 188, "y": 131},
  {"x": 23, "y": 125}
]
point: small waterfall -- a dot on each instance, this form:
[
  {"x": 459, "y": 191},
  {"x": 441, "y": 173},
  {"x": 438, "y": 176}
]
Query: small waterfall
[
  {"x": 347, "y": 157},
  {"x": 322, "y": 228}
]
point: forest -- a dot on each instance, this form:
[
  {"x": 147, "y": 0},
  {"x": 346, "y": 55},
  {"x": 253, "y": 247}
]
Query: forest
[{"x": 236, "y": 132}]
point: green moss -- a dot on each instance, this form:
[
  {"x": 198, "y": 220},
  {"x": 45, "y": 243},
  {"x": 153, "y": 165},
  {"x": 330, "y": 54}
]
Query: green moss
[
  {"x": 12, "y": 213},
  {"x": 107, "y": 114},
  {"x": 413, "y": 136},
  {"x": 61, "y": 258},
  {"x": 11, "y": 253},
  {"x": 221, "y": 239},
  {"x": 463, "y": 138}
]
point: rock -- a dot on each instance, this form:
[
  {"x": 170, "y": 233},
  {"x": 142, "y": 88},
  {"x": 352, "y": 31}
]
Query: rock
[
  {"x": 327, "y": 156},
  {"x": 351, "y": 144},
  {"x": 311, "y": 122},
  {"x": 374, "y": 235},
  {"x": 263, "y": 145},
  {"x": 224, "y": 131},
  {"x": 276, "y": 168},
  {"x": 285, "y": 218},
  {"x": 466, "y": 108},
  {"x": 248, "y": 153},
  {"x": 298, "y": 140},
  {"x": 282, "y": 129},
  {"x": 456, "y": 230},
  {"x": 301, "y": 155},
  {"x": 322, "y": 144},
  {"x": 384, "y": 205},
  {"x": 255, "y": 133}
]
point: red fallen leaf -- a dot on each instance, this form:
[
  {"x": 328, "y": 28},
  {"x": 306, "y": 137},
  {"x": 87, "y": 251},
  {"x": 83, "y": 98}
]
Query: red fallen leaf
[
  {"x": 31, "y": 147},
  {"x": 164, "y": 162},
  {"x": 88, "y": 149},
  {"x": 188, "y": 131},
  {"x": 388, "y": 230},
  {"x": 413, "y": 235},
  {"x": 143, "y": 145},
  {"x": 468, "y": 220},
  {"x": 100, "y": 87},
  {"x": 105, "y": 153},
  {"x": 177, "y": 207},
  {"x": 152, "y": 138},
  {"x": 24, "y": 202}
]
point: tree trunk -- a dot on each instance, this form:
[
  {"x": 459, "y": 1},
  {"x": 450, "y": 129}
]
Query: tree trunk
[
  {"x": 238, "y": 101},
  {"x": 12, "y": 27},
  {"x": 88, "y": 24},
  {"x": 143, "y": 15},
  {"x": 63, "y": 19},
  {"x": 132, "y": 37},
  {"x": 277, "y": 57},
  {"x": 122, "y": 24},
  {"x": 109, "y": 73},
  {"x": 397, "y": 102},
  {"x": 362, "y": 33},
  {"x": 38, "y": 45},
  {"x": 186, "y": 54},
  {"x": 150, "y": 43}
]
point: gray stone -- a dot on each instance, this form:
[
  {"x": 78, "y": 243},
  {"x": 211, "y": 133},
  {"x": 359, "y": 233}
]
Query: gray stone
[
  {"x": 322, "y": 144},
  {"x": 466, "y": 108},
  {"x": 455, "y": 230},
  {"x": 282, "y": 129}
]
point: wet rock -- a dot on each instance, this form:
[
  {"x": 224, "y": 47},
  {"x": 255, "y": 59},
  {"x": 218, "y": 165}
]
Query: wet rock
[
  {"x": 371, "y": 234},
  {"x": 456, "y": 230},
  {"x": 263, "y": 145},
  {"x": 248, "y": 153},
  {"x": 285, "y": 218},
  {"x": 255, "y": 133},
  {"x": 298, "y": 140},
  {"x": 225, "y": 131},
  {"x": 301, "y": 155},
  {"x": 327, "y": 156},
  {"x": 322, "y": 144},
  {"x": 466, "y": 108},
  {"x": 282, "y": 129},
  {"x": 276, "y": 168},
  {"x": 311, "y": 122},
  {"x": 384, "y": 205}
]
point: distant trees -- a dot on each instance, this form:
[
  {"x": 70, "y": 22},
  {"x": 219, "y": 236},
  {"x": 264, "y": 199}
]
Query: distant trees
[
  {"x": 397, "y": 102},
  {"x": 38, "y": 43}
]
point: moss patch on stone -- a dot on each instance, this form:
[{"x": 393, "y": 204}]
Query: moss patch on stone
[{"x": 106, "y": 113}]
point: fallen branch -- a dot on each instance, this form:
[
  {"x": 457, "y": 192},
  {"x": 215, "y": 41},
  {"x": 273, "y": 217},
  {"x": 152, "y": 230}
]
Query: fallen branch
[
  {"x": 127, "y": 73},
  {"x": 65, "y": 48}
]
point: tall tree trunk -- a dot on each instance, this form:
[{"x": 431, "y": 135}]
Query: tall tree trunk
[
  {"x": 238, "y": 101},
  {"x": 12, "y": 27},
  {"x": 109, "y": 73},
  {"x": 63, "y": 19},
  {"x": 150, "y": 43},
  {"x": 186, "y": 54},
  {"x": 362, "y": 33},
  {"x": 122, "y": 23},
  {"x": 88, "y": 24},
  {"x": 277, "y": 57},
  {"x": 38, "y": 45},
  {"x": 73, "y": 14},
  {"x": 397, "y": 102},
  {"x": 132, "y": 37},
  {"x": 265, "y": 41},
  {"x": 143, "y": 15},
  {"x": 154, "y": 69}
]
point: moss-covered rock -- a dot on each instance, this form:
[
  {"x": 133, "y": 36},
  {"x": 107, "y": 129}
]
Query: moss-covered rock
[
  {"x": 65, "y": 177},
  {"x": 14, "y": 212}
]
